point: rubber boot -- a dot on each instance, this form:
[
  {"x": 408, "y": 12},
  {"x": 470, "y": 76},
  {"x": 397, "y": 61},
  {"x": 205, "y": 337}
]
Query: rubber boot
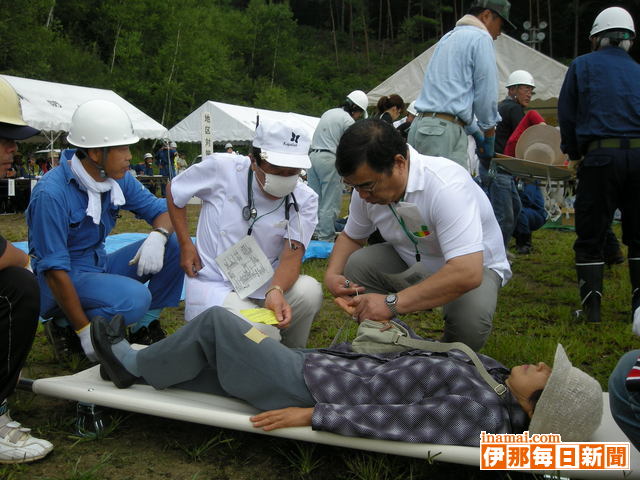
[
  {"x": 147, "y": 330},
  {"x": 523, "y": 243},
  {"x": 612, "y": 252},
  {"x": 634, "y": 276},
  {"x": 590, "y": 284}
]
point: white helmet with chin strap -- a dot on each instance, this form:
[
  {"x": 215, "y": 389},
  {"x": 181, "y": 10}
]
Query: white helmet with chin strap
[
  {"x": 359, "y": 99},
  {"x": 613, "y": 18},
  {"x": 100, "y": 123},
  {"x": 520, "y": 77}
]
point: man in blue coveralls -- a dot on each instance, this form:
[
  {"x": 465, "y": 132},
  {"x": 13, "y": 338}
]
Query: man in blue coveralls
[{"x": 72, "y": 211}]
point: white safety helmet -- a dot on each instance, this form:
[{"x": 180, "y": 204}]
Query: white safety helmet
[
  {"x": 228, "y": 145},
  {"x": 147, "y": 155},
  {"x": 173, "y": 144},
  {"x": 520, "y": 77},
  {"x": 360, "y": 99},
  {"x": 613, "y": 18},
  {"x": 100, "y": 123}
]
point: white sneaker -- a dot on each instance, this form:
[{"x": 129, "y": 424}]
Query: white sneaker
[{"x": 18, "y": 446}]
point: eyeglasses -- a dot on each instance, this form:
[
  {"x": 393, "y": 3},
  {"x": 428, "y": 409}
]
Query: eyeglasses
[
  {"x": 367, "y": 187},
  {"x": 526, "y": 89}
]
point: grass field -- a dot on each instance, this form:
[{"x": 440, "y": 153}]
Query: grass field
[{"x": 533, "y": 315}]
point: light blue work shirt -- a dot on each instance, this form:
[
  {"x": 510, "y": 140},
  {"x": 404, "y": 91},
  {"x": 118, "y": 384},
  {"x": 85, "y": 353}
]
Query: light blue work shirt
[
  {"x": 61, "y": 234},
  {"x": 462, "y": 79}
]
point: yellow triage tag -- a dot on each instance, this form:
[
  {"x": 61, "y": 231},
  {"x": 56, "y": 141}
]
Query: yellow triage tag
[{"x": 260, "y": 315}]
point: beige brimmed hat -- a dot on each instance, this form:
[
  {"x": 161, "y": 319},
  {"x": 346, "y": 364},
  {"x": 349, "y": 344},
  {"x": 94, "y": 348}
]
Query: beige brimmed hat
[
  {"x": 540, "y": 143},
  {"x": 570, "y": 404}
]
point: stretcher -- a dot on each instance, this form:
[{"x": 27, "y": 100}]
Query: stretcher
[
  {"x": 87, "y": 386},
  {"x": 553, "y": 180},
  {"x": 533, "y": 170}
]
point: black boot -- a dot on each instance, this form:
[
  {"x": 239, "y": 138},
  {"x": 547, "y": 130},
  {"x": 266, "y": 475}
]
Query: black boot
[
  {"x": 523, "y": 243},
  {"x": 148, "y": 335},
  {"x": 612, "y": 252},
  {"x": 64, "y": 341},
  {"x": 590, "y": 284},
  {"x": 634, "y": 276}
]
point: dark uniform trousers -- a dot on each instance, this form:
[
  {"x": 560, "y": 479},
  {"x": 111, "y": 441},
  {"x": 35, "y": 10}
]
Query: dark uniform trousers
[
  {"x": 19, "y": 307},
  {"x": 608, "y": 178}
]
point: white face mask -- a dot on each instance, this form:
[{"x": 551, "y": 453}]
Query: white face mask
[{"x": 277, "y": 185}]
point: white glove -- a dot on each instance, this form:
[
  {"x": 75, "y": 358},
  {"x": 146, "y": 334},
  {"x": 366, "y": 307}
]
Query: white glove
[
  {"x": 636, "y": 322},
  {"x": 84, "y": 334},
  {"x": 150, "y": 255}
]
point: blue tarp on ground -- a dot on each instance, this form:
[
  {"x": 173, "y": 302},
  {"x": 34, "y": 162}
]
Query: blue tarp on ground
[{"x": 316, "y": 248}]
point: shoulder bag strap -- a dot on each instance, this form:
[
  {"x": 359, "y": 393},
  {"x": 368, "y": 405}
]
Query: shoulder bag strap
[{"x": 441, "y": 347}]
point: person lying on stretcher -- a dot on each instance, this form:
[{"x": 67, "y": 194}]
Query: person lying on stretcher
[{"x": 412, "y": 396}]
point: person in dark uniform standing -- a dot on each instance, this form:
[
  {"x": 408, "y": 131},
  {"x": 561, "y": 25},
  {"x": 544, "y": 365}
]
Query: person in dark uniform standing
[
  {"x": 19, "y": 301},
  {"x": 600, "y": 126}
]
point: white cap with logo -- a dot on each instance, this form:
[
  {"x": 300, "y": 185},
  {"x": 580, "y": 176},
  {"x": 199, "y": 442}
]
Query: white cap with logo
[{"x": 285, "y": 144}]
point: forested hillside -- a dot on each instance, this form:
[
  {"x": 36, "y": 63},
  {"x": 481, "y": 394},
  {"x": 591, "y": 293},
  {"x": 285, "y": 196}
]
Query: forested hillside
[{"x": 169, "y": 56}]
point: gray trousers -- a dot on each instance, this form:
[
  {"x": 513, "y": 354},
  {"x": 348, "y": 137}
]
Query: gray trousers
[
  {"x": 216, "y": 353},
  {"x": 439, "y": 138},
  {"x": 323, "y": 178},
  {"x": 467, "y": 319}
]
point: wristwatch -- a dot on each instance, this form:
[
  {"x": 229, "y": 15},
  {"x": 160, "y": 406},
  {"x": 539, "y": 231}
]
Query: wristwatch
[{"x": 392, "y": 301}]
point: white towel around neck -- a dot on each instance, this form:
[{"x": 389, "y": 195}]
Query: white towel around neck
[
  {"x": 473, "y": 21},
  {"x": 94, "y": 190}
]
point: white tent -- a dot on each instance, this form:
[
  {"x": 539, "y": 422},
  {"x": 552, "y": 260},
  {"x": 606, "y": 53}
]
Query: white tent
[
  {"x": 231, "y": 123},
  {"x": 510, "y": 55},
  {"x": 49, "y": 107}
]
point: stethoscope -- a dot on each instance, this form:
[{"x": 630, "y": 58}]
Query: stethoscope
[{"x": 250, "y": 213}]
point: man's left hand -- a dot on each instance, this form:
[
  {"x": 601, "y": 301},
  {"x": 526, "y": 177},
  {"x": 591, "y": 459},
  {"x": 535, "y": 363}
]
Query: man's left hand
[
  {"x": 486, "y": 150},
  {"x": 283, "y": 418},
  {"x": 150, "y": 256},
  {"x": 276, "y": 302},
  {"x": 371, "y": 306}
]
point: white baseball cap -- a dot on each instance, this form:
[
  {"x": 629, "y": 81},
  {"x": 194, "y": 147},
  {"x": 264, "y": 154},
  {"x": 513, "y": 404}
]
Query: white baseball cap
[{"x": 286, "y": 144}]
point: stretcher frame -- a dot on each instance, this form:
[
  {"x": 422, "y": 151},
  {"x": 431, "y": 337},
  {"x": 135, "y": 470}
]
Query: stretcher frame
[
  {"x": 87, "y": 386},
  {"x": 534, "y": 170}
]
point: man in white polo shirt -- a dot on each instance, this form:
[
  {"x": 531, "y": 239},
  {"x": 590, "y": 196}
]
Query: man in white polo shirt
[
  {"x": 251, "y": 208},
  {"x": 443, "y": 243}
]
